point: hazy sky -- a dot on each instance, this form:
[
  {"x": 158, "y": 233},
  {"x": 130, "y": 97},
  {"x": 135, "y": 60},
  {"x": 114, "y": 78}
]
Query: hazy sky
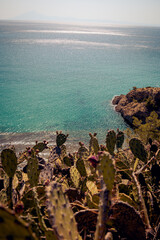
[{"x": 129, "y": 11}]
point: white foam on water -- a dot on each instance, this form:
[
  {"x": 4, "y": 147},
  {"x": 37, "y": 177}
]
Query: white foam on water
[{"x": 78, "y": 32}]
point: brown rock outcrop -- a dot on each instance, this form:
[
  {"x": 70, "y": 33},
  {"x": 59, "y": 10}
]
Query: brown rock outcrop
[{"x": 139, "y": 102}]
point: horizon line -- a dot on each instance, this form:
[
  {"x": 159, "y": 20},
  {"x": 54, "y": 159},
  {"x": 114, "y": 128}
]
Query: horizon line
[{"x": 75, "y": 21}]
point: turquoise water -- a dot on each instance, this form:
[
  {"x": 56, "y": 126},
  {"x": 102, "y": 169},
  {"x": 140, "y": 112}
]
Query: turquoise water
[{"x": 63, "y": 77}]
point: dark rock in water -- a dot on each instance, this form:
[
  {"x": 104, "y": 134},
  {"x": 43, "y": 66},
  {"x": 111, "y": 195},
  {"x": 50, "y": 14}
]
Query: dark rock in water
[
  {"x": 116, "y": 99},
  {"x": 139, "y": 102}
]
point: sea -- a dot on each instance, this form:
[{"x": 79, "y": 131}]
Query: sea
[{"x": 58, "y": 76}]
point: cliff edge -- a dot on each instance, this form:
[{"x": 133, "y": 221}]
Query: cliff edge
[{"x": 139, "y": 102}]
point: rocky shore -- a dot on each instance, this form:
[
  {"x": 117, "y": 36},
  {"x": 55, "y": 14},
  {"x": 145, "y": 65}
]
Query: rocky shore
[{"x": 139, "y": 102}]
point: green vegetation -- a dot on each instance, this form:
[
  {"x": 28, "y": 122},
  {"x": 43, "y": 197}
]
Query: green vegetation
[
  {"x": 100, "y": 192},
  {"x": 150, "y": 129}
]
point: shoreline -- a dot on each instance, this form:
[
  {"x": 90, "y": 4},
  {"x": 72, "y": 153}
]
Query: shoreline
[{"x": 27, "y": 139}]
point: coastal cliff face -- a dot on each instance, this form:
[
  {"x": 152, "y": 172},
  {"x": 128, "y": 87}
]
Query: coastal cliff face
[{"x": 139, "y": 102}]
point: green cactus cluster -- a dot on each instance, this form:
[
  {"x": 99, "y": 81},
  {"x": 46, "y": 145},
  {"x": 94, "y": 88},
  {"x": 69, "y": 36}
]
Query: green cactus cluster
[
  {"x": 100, "y": 192},
  {"x": 114, "y": 140}
]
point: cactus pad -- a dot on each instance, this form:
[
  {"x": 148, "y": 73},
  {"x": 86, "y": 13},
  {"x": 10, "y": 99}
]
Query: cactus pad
[
  {"x": 40, "y": 146},
  {"x": 12, "y": 227},
  {"x": 138, "y": 149},
  {"x": 107, "y": 168},
  {"x": 83, "y": 152},
  {"x": 92, "y": 187},
  {"x": 111, "y": 141},
  {"x": 128, "y": 221},
  {"x": 81, "y": 167},
  {"x": 104, "y": 205},
  {"x": 9, "y": 161},
  {"x": 61, "y": 139},
  {"x": 33, "y": 172},
  {"x": 68, "y": 161},
  {"x": 86, "y": 219},
  {"x": 93, "y": 144},
  {"x": 119, "y": 139},
  {"x": 60, "y": 213},
  {"x": 3, "y": 197},
  {"x": 75, "y": 176}
]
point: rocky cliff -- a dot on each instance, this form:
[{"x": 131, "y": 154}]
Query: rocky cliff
[{"x": 139, "y": 102}]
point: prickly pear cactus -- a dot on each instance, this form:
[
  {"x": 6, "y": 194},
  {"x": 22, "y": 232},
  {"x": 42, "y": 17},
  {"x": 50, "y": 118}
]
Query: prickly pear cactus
[
  {"x": 138, "y": 149},
  {"x": 46, "y": 173},
  {"x": 104, "y": 205},
  {"x": 93, "y": 144},
  {"x": 60, "y": 213},
  {"x": 86, "y": 219},
  {"x": 108, "y": 170},
  {"x": 68, "y": 160},
  {"x": 119, "y": 139},
  {"x": 3, "y": 197},
  {"x": 92, "y": 187},
  {"x": 128, "y": 221},
  {"x": 81, "y": 167},
  {"x": 33, "y": 172},
  {"x": 40, "y": 146},
  {"x": 61, "y": 139},
  {"x": 12, "y": 227},
  {"x": 83, "y": 152},
  {"x": 9, "y": 162},
  {"x": 75, "y": 176},
  {"x": 111, "y": 141}
]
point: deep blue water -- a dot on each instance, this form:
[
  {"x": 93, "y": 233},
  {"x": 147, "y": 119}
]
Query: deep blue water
[{"x": 63, "y": 77}]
